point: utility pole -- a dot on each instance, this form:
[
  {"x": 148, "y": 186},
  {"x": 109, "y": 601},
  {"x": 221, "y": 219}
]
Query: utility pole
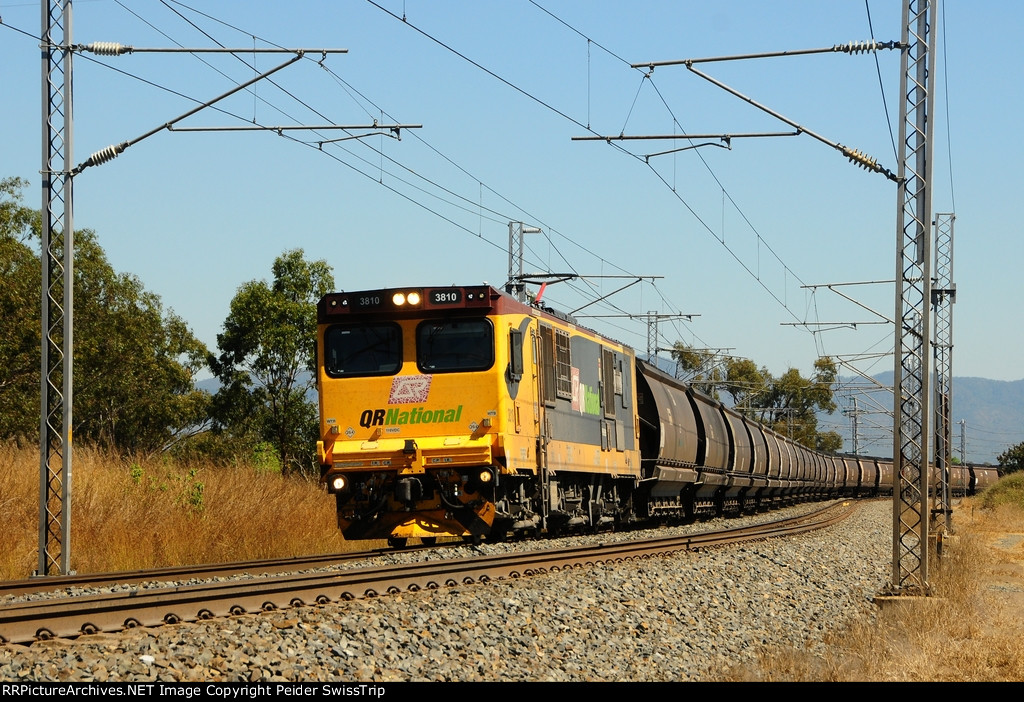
[
  {"x": 913, "y": 275},
  {"x": 515, "y": 285},
  {"x": 652, "y": 332},
  {"x": 911, "y": 432},
  {"x": 652, "y": 336},
  {"x": 943, "y": 297},
  {"x": 57, "y": 259},
  {"x": 854, "y": 426},
  {"x": 57, "y": 256}
]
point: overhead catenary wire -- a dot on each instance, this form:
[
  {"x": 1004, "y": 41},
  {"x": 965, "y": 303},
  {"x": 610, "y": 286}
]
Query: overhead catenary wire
[
  {"x": 475, "y": 204},
  {"x": 469, "y": 203},
  {"x": 572, "y": 120},
  {"x": 853, "y": 155}
]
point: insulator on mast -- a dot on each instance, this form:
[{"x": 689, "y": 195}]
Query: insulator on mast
[
  {"x": 107, "y": 48},
  {"x": 863, "y": 47},
  {"x": 861, "y": 159},
  {"x": 102, "y": 156}
]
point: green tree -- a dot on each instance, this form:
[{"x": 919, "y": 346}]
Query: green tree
[
  {"x": 792, "y": 402},
  {"x": 745, "y": 382},
  {"x": 788, "y": 404},
  {"x": 267, "y": 360},
  {"x": 134, "y": 362},
  {"x": 700, "y": 368},
  {"x": 20, "y": 274},
  {"x": 1012, "y": 459}
]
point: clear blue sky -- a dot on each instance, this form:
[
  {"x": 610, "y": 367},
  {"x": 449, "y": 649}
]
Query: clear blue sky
[{"x": 500, "y": 89}]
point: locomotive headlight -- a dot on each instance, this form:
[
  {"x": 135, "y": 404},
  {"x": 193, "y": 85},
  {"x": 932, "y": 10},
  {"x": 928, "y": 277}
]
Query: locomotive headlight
[
  {"x": 338, "y": 483},
  {"x": 475, "y": 482},
  {"x": 409, "y": 298}
]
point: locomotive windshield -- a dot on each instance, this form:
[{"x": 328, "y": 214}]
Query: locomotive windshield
[
  {"x": 446, "y": 345},
  {"x": 363, "y": 349}
]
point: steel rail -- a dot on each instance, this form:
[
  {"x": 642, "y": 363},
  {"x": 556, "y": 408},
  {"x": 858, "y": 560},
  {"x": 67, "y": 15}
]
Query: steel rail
[
  {"x": 291, "y": 564},
  {"x": 68, "y": 617},
  {"x": 207, "y": 570}
]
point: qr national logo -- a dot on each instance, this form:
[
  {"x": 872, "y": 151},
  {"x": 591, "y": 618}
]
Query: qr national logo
[{"x": 409, "y": 389}]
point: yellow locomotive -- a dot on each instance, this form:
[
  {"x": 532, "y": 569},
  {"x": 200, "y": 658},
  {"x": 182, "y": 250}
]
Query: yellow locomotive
[{"x": 460, "y": 411}]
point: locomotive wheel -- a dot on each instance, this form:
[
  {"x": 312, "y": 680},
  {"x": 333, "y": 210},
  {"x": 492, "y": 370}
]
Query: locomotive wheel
[
  {"x": 428, "y": 540},
  {"x": 396, "y": 542}
]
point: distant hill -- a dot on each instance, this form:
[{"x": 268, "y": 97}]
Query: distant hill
[
  {"x": 212, "y": 385},
  {"x": 990, "y": 413}
]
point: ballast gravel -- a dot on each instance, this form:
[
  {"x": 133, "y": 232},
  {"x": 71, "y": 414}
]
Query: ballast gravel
[{"x": 683, "y": 617}]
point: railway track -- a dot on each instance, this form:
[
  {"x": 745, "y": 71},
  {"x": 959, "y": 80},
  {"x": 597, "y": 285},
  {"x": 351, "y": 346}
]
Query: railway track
[
  {"x": 72, "y": 616},
  {"x": 178, "y": 573}
]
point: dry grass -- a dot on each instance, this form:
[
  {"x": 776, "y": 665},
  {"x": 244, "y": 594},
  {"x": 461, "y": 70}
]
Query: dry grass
[
  {"x": 967, "y": 631},
  {"x": 127, "y": 515}
]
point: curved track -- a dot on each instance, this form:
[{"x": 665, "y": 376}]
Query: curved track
[{"x": 24, "y": 622}]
